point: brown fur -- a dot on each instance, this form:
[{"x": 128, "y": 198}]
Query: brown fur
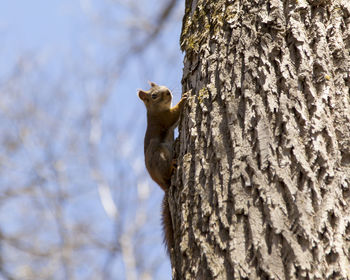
[{"x": 158, "y": 145}]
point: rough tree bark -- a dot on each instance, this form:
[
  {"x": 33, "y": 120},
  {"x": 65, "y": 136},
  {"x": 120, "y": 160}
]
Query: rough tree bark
[{"x": 263, "y": 185}]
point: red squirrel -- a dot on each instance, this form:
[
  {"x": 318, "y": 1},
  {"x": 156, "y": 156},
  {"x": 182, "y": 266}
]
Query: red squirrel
[{"x": 158, "y": 144}]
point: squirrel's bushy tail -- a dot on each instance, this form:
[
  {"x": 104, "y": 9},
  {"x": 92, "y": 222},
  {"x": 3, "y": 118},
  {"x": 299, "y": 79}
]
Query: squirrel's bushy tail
[{"x": 167, "y": 224}]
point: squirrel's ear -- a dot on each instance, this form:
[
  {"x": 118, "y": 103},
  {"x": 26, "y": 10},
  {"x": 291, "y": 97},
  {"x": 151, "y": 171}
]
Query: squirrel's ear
[
  {"x": 142, "y": 95},
  {"x": 152, "y": 84}
]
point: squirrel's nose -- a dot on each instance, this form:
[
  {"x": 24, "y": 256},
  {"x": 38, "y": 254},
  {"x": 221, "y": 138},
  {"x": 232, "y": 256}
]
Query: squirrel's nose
[{"x": 154, "y": 96}]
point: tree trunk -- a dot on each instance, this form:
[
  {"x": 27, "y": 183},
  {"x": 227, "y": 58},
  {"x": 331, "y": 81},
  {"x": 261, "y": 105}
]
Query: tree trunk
[{"x": 263, "y": 185}]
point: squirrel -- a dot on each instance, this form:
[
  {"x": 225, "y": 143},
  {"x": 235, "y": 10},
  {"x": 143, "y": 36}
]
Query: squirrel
[{"x": 158, "y": 145}]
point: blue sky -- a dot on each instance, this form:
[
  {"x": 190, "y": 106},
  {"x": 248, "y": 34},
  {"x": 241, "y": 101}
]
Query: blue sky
[
  {"x": 39, "y": 23},
  {"x": 62, "y": 36},
  {"x": 61, "y": 29}
]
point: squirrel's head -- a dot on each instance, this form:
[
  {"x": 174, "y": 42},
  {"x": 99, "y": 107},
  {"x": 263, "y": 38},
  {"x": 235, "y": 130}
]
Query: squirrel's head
[{"x": 157, "y": 99}]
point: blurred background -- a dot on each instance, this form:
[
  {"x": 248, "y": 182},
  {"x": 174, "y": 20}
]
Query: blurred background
[{"x": 75, "y": 199}]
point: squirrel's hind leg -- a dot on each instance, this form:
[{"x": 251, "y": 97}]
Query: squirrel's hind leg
[{"x": 160, "y": 166}]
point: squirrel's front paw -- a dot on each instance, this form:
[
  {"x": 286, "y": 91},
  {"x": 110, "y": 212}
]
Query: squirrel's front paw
[{"x": 186, "y": 94}]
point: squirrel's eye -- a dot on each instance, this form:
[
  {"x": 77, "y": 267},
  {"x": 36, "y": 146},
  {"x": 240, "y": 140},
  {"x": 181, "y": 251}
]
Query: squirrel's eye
[
  {"x": 154, "y": 95},
  {"x": 168, "y": 92}
]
